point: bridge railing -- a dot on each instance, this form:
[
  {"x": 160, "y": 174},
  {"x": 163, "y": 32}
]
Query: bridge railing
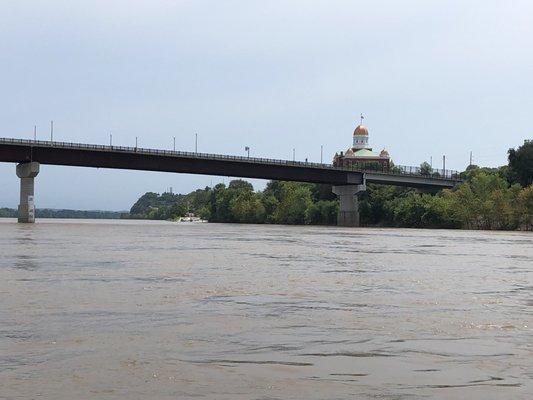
[{"x": 444, "y": 174}]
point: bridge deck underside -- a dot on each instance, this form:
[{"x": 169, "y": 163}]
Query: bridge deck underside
[
  {"x": 119, "y": 159},
  {"x": 172, "y": 163}
]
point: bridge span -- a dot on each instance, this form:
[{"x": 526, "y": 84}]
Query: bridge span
[{"x": 347, "y": 183}]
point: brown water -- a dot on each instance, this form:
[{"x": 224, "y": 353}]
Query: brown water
[{"x": 157, "y": 310}]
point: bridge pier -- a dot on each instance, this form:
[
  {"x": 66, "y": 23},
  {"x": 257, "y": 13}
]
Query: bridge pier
[
  {"x": 27, "y": 173},
  {"x": 349, "y": 205}
]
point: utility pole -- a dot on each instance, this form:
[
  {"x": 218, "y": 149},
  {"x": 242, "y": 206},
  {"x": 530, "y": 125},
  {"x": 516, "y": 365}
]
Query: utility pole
[
  {"x": 431, "y": 161},
  {"x": 111, "y": 140},
  {"x": 321, "y": 153},
  {"x": 174, "y": 147},
  {"x": 444, "y": 166},
  {"x": 470, "y": 158},
  {"x": 293, "y": 154},
  {"x": 135, "y": 141},
  {"x": 34, "y": 132},
  {"x": 196, "y": 143},
  {"x": 51, "y": 131}
]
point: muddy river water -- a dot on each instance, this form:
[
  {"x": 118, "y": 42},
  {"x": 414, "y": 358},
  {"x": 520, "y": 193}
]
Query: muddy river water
[{"x": 160, "y": 310}]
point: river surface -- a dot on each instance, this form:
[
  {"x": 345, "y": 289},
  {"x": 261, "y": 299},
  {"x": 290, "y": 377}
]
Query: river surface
[{"x": 159, "y": 310}]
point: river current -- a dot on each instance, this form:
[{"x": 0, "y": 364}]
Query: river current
[{"x": 160, "y": 310}]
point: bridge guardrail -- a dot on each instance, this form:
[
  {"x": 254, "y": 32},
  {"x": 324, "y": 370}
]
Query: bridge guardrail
[{"x": 443, "y": 174}]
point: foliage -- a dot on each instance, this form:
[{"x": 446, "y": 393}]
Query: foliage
[
  {"x": 280, "y": 202},
  {"x": 489, "y": 198},
  {"x": 293, "y": 205},
  {"x": 426, "y": 169},
  {"x": 525, "y": 208},
  {"x": 323, "y": 212},
  {"x": 521, "y": 164},
  {"x": 58, "y": 213},
  {"x": 8, "y": 212}
]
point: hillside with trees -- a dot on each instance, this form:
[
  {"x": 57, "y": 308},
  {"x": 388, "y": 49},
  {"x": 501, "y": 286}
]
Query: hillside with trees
[{"x": 489, "y": 198}]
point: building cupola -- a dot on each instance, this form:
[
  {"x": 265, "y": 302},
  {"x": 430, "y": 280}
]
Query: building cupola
[{"x": 360, "y": 137}]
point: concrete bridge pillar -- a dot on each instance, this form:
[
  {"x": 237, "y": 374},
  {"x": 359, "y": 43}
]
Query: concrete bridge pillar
[
  {"x": 27, "y": 172},
  {"x": 349, "y": 205}
]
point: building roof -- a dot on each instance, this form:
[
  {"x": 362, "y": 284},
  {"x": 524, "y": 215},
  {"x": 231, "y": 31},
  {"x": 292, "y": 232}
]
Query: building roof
[
  {"x": 362, "y": 153},
  {"x": 360, "y": 130}
]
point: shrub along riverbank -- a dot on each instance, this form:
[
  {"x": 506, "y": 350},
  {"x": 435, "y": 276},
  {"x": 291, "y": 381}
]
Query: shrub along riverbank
[{"x": 489, "y": 198}]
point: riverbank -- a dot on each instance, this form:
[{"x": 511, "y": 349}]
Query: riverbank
[
  {"x": 6, "y": 212},
  {"x": 484, "y": 201}
]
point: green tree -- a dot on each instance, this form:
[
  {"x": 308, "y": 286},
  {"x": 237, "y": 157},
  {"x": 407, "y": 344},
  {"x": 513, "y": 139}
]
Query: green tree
[
  {"x": 221, "y": 204},
  {"x": 178, "y": 209},
  {"x": 373, "y": 204},
  {"x": 425, "y": 169},
  {"x": 483, "y": 202},
  {"x": 247, "y": 208},
  {"x": 525, "y": 208},
  {"x": 295, "y": 200},
  {"x": 321, "y": 191},
  {"x": 521, "y": 164},
  {"x": 323, "y": 212},
  {"x": 275, "y": 189},
  {"x": 204, "y": 213},
  {"x": 270, "y": 204},
  {"x": 239, "y": 184},
  {"x": 144, "y": 204}
]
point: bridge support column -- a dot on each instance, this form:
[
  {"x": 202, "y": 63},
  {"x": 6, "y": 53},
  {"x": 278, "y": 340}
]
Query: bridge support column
[
  {"x": 27, "y": 173},
  {"x": 349, "y": 205}
]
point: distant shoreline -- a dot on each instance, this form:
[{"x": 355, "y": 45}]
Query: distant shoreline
[{"x": 51, "y": 213}]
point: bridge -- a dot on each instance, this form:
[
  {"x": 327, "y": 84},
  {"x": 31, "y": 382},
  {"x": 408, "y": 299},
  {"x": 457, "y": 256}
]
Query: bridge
[{"x": 347, "y": 183}]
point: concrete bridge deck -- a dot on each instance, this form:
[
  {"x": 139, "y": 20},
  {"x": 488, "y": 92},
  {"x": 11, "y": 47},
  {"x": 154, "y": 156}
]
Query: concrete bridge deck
[
  {"x": 118, "y": 157},
  {"x": 347, "y": 183}
]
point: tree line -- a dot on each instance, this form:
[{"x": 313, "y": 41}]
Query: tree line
[
  {"x": 489, "y": 198},
  {"x": 58, "y": 213},
  {"x": 278, "y": 203}
]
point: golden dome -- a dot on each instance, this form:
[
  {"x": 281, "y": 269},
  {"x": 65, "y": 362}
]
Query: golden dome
[{"x": 361, "y": 130}]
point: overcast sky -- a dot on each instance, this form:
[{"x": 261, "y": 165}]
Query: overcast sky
[{"x": 431, "y": 77}]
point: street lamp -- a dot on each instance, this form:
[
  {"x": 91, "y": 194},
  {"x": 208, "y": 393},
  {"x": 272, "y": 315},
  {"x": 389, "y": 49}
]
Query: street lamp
[{"x": 247, "y": 149}]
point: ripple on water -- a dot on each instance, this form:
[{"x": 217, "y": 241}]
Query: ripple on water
[{"x": 263, "y": 311}]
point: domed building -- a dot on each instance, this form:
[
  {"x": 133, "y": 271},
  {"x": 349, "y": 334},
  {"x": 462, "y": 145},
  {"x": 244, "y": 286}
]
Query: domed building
[{"x": 360, "y": 155}]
